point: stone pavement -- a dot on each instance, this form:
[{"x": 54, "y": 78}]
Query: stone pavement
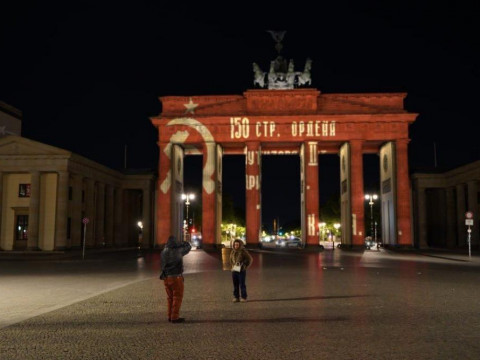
[{"x": 330, "y": 305}]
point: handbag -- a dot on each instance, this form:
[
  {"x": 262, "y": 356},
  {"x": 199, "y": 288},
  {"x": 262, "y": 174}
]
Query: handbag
[
  {"x": 163, "y": 276},
  {"x": 237, "y": 267}
]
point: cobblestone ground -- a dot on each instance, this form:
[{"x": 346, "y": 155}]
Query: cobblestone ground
[{"x": 300, "y": 307}]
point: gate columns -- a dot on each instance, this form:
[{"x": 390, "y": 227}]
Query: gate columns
[
  {"x": 253, "y": 157},
  {"x": 211, "y": 194},
  {"x": 404, "y": 235},
  {"x": 309, "y": 192},
  {"x": 357, "y": 196}
]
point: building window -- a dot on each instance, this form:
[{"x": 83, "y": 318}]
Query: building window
[
  {"x": 70, "y": 193},
  {"x": 24, "y": 190},
  {"x": 22, "y": 227}
]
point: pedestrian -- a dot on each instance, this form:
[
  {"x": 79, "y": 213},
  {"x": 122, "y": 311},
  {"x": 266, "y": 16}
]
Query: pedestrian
[
  {"x": 240, "y": 260},
  {"x": 172, "y": 276}
]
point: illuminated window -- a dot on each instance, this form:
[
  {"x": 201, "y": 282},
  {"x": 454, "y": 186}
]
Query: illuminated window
[{"x": 24, "y": 190}]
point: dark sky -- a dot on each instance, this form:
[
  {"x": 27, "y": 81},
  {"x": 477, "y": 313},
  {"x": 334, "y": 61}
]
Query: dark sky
[{"x": 87, "y": 75}]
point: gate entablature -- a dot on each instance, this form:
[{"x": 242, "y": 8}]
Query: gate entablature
[{"x": 269, "y": 121}]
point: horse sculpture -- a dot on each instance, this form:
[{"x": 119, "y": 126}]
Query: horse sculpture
[
  {"x": 291, "y": 75},
  {"x": 305, "y": 78},
  {"x": 259, "y": 76}
]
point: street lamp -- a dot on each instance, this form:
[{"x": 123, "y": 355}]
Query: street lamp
[
  {"x": 336, "y": 226},
  {"x": 140, "y": 233},
  {"x": 321, "y": 229},
  {"x": 187, "y": 198},
  {"x": 370, "y": 198}
]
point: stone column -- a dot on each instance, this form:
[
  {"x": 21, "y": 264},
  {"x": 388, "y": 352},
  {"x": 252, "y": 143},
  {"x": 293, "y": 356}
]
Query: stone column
[
  {"x": 76, "y": 220},
  {"x": 451, "y": 217},
  {"x": 163, "y": 215},
  {"x": 356, "y": 176},
  {"x": 310, "y": 169},
  {"x": 33, "y": 216},
  {"x": 100, "y": 215},
  {"x": 119, "y": 237},
  {"x": 461, "y": 210},
  {"x": 404, "y": 226},
  {"x": 90, "y": 211},
  {"x": 62, "y": 211},
  {"x": 253, "y": 209},
  {"x": 422, "y": 216},
  {"x": 146, "y": 210},
  {"x": 472, "y": 188},
  {"x": 209, "y": 194},
  {"x": 109, "y": 211}
]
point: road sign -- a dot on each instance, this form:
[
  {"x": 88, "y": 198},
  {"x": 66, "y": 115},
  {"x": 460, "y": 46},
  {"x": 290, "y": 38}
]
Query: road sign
[
  {"x": 85, "y": 221},
  {"x": 469, "y": 215},
  {"x": 469, "y": 222}
]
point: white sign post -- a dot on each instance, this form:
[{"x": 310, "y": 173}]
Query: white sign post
[
  {"x": 85, "y": 222},
  {"x": 469, "y": 222}
]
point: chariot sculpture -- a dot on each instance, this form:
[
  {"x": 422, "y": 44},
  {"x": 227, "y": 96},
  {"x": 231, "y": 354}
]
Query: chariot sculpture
[{"x": 281, "y": 76}]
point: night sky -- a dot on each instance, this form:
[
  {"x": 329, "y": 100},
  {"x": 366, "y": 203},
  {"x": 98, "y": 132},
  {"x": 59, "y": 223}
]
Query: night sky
[{"x": 88, "y": 75}]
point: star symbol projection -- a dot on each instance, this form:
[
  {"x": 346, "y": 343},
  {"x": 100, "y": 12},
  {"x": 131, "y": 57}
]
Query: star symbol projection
[{"x": 190, "y": 106}]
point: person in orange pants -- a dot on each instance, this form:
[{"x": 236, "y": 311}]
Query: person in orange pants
[{"x": 172, "y": 275}]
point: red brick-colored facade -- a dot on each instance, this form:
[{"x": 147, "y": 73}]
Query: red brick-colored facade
[{"x": 280, "y": 122}]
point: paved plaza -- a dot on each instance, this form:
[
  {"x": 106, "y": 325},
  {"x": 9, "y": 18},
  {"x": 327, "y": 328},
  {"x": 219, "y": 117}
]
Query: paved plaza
[{"x": 329, "y": 305}]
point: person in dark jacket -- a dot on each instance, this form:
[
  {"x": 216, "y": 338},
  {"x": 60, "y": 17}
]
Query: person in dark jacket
[
  {"x": 172, "y": 271},
  {"x": 239, "y": 256}
]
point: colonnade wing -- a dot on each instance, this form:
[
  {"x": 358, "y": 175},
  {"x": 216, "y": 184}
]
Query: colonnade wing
[{"x": 388, "y": 190}]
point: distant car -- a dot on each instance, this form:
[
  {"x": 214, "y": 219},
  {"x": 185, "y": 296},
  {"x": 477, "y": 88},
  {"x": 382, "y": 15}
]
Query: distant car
[
  {"x": 292, "y": 242},
  {"x": 196, "y": 240},
  {"x": 267, "y": 239},
  {"x": 329, "y": 244},
  {"x": 370, "y": 243}
]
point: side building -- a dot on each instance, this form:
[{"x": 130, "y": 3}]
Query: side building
[
  {"x": 47, "y": 194},
  {"x": 440, "y": 201}
]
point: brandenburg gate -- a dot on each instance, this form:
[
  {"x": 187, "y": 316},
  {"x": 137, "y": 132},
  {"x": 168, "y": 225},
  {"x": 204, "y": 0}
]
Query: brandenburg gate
[{"x": 286, "y": 119}]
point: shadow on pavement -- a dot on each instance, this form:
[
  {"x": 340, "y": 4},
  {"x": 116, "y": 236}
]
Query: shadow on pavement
[{"x": 444, "y": 257}]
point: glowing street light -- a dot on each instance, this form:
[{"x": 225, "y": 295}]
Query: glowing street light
[
  {"x": 186, "y": 198},
  {"x": 321, "y": 230},
  {"x": 140, "y": 233},
  {"x": 336, "y": 226},
  {"x": 370, "y": 198}
]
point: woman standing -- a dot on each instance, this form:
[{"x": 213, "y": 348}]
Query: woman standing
[{"x": 240, "y": 260}]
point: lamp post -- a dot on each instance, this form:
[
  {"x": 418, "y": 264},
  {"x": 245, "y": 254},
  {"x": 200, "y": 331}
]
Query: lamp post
[
  {"x": 336, "y": 226},
  {"x": 140, "y": 233},
  {"x": 187, "y": 198},
  {"x": 370, "y": 198},
  {"x": 321, "y": 229}
]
